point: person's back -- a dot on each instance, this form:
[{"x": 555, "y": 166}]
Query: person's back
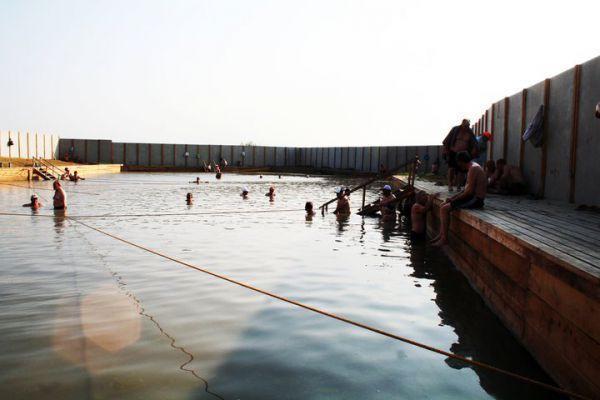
[
  {"x": 60, "y": 197},
  {"x": 477, "y": 177}
]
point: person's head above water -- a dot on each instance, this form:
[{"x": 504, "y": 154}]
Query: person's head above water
[
  {"x": 308, "y": 207},
  {"x": 387, "y": 190},
  {"x": 463, "y": 159},
  {"x": 56, "y": 185},
  {"x": 245, "y": 192},
  {"x": 33, "y": 198},
  {"x": 272, "y": 189}
]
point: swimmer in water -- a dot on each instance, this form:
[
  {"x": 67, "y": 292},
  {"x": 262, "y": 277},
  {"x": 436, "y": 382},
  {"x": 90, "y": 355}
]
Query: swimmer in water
[
  {"x": 244, "y": 193},
  {"x": 35, "y": 203},
  {"x": 75, "y": 177},
  {"x": 308, "y": 207},
  {"x": 197, "y": 181},
  {"x": 261, "y": 177},
  {"x": 218, "y": 175},
  {"x": 60, "y": 197},
  {"x": 343, "y": 204},
  {"x": 279, "y": 176},
  {"x": 271, "y": 193},
  {"x": 189, "y": 199},
  {"x": 387, "y": 204}
]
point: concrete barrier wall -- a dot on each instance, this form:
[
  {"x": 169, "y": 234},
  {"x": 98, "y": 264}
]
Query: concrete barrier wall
[
  {"x": 28, "y": 145},
  {"x": 566, "y": 167}
]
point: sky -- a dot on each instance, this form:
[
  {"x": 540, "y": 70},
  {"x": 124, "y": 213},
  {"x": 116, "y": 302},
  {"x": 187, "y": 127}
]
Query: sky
[{"x": 279, "y": 73}]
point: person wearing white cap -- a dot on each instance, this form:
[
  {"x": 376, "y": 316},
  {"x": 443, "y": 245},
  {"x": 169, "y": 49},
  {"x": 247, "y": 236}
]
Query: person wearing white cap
[
  {"x": 244, "y": 193},
  {"x": 598, "y": 110},
  {"x": 343, "y": 204},
  {"x": 387, "y": 205},
  {"x": 35, "y": 203}
]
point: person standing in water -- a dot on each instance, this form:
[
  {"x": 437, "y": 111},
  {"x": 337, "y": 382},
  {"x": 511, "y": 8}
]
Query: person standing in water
[
  {"x": 310, "y": 213},
  {"x": 271, "y": 193},
  {"x": 60, "y": 197},
  {"x": 387, "y": 205},
  {"x": 244, "y": 193},
  {"x": 343, "y": 204},
  {"x": 35, "y": 203},
  {"x": 418, "y": 215},
  {"x": 189, "y": 199}
]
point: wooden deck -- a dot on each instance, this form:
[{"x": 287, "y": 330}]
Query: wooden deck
[{"x": 537, "y": 265}]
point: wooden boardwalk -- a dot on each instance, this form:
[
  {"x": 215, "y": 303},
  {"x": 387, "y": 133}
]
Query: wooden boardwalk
[{"x": 536, "y": 263}]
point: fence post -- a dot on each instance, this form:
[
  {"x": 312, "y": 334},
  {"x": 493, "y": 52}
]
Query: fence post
[
  {"x": 574, "y": 132},
  {"x": 505, "y": 126},
  {"x": 27, "y": 141},
  {"x": 523, "y": 121},
  {"x": 493, "y": 132},
  {"x": 544, "y": 161}
]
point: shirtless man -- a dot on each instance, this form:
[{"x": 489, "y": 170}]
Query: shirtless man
[
  {"x": 507, "y": 179},
  {"x": 60, "y": 197},
  {"x": 66, "y": 174},
  {"x": 418, "y": 215},
  {"x": 35, "y": 203},
  {"x": 387, "y": 207},
  {"x": 343, "y": 204},
  {"x": 471, "y": 198},
  {"x": 460, "y": 138},
  {"x": 189, "y": 199}
]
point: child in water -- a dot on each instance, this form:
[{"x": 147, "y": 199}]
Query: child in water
[
  {"x": 271, "y": 193},
  {"x": 35, "y": 203}
]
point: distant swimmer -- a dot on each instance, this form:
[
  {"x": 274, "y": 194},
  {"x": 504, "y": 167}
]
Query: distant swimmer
[
  {"x": 244, "y": 193},
  {"x": 260, "y": 177},
  {"x": 387, "y": 204},
  {"x": 218, "y": 175},
  {"x": 418, "y": 215},
  {"x": 271, "y": 193},
  {"x": 60, "y": 197},
  {"x": 35, "y": 203},
  {"x": 189, "y": 199},
  {"x": 217, "y": 169},
  {"x": 343, "y": 204},
  {"x": 66, "y": 174},
  {"x": 197, "y": 181},
  {"x": 279, "y": 176},
  {"x": 76, "y": 177},
  {"x": 308, "y": 207}
]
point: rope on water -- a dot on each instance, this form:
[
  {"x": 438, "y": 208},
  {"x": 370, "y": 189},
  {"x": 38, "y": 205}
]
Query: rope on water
[
  {"x": 48, "y": 189},
  {"x": 224, "y": 212},
  {"x": 343, "y": 319}
]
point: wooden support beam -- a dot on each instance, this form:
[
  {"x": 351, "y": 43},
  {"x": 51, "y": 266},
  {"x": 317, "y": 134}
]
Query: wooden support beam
[
  {"x": 574, "y": 131},
  {"x": 544, "y": 161},
  {"x": 493, "y": 131},
  {"x": 124, "y": 153},
  {"x": 112, "y": 152},
  {"x": 185, "y": 152},
  {"x": 137, "y": 154},
  {"x": 162, "y": 154},
  {"x": 27, "y": 142},
  {"x": 523, "y": 122},
  {"x": 99, "y": 149},
  {"x": 149, "y": 154},
  {"x": 505, "y": 128}
]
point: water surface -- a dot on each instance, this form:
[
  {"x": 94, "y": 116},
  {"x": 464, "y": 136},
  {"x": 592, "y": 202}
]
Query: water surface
[{"x": 83, "y": 316}]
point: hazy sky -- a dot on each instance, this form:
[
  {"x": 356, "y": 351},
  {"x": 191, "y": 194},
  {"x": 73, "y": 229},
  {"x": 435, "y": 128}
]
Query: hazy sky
[{"x": 277, "y": 72}]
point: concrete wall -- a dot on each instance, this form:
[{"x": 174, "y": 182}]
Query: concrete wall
[
  {"x": 554, "y": 171},
  {"x": 28, "y": 145}
]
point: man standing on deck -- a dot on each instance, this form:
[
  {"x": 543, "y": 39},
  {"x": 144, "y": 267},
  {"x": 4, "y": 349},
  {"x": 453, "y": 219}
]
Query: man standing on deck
[
  {"x": 460, "y": 138},
  {"x": 471, "y": 198}
]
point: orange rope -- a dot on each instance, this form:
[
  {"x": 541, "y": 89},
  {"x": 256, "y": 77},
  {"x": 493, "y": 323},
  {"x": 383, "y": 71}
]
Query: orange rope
[{"x": 346, "y": 320}]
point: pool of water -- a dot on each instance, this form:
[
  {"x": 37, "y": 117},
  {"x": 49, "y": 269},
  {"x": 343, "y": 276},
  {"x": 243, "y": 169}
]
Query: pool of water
[{"x": 83, "y": 316}]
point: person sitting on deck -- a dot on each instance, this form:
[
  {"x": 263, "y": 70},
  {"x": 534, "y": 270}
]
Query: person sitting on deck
[
  {"x": 418, "y": 215},
  {"x": 189, "y": 199},
  {"x": 75, "y": 177},
  {"x": 387, "y": 205},
  {"x": 271, "y": 193},
  {"x": 35, "y": 202},
  {"x": 489, "y": 168},
  {"x": 60, "y": 197},
  {"x": 343, "y": 204},
  {"x": 244, "y": 193},
  {"x": 471, "y": 198},
  {"x": 507, "y": 179}
]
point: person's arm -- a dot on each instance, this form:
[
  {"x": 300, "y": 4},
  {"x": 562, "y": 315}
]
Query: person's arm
[{"x": 468, "y": 192}]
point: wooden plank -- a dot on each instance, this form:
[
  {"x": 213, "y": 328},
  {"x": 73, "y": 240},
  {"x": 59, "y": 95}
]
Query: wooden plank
[
  {"x": 574, "y": 132},
  {"x": 575, "y": 347},
  {"x": 569, "y": 302}
]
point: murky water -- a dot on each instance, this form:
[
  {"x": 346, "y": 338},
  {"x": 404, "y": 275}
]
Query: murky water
[{"x": 83, "y": 316}]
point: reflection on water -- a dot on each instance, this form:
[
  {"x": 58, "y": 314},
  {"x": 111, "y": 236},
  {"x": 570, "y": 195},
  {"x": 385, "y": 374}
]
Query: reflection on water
[{"x": 83, "y": 316}]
